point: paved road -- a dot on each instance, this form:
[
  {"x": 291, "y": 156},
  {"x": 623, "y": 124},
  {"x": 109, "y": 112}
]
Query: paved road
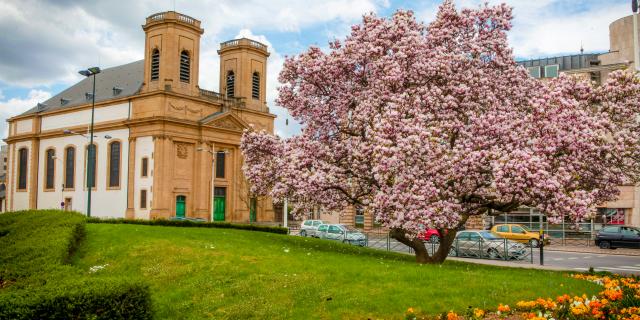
[
  {"x": 621, "y": 264},
  {"x": 582, "y": 261}
]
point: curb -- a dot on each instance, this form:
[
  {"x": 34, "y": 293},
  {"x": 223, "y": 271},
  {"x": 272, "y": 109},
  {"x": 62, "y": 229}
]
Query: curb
[{"x": 610, "y": 252}]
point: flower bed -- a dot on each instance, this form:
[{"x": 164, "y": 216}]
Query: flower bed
[{"x": 620, "y": 299}]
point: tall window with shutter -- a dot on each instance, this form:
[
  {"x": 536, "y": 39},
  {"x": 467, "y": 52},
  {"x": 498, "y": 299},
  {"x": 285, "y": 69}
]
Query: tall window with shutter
[
  {"x": 50, "y": 169},
  {"x": 155, "y": 64},
  {"x": 231, "y": 82},
  {"x": 255, "y": 86},
  {"x": 70, "y": 167},
  {"x": 114, "y": 164},
  {"x": 185, "y": 66},
  {"x": 23, "y": 162}
]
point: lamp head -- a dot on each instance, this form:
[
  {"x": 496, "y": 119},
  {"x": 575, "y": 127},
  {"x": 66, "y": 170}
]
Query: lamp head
[
  {"x": 108, "y": 137},
  {"x": 84, "y": 73},
  {"x": 94, "y": 70}
]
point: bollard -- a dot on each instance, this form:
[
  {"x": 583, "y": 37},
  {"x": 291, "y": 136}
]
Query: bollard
[{"x": 541, "y": 247}]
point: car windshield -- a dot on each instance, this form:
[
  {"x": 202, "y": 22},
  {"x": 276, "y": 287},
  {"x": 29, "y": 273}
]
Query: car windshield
[{"x": 489, "y": 235}]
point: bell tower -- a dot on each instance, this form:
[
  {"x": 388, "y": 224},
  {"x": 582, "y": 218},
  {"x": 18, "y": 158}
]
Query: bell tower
[
  {"x": 171, "y": 53},
  {"x": 243, "y": 70}
]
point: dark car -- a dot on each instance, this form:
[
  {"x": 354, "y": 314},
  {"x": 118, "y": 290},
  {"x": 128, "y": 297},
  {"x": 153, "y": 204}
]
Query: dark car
[{"x": 612, "y": 237}]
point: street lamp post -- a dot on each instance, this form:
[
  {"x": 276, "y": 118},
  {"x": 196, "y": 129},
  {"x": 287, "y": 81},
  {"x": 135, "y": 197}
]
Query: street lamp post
[{"x": 93, "y": 71}]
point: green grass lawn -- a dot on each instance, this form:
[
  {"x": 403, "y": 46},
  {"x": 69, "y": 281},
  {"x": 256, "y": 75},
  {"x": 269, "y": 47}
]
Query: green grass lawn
[{"x": 222, "y": 273}]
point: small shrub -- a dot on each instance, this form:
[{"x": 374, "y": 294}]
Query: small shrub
[
  {"x": 38, "y": 282},
  {"x": 171, "y": 223}
]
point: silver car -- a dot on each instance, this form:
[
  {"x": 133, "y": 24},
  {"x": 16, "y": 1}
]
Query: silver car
[
  {"x": 486, "y": 244},
  {"x": 341, "y": 232},
  {"x": 308, "y": 228}
]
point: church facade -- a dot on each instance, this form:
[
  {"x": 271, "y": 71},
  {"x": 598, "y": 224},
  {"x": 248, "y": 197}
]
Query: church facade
[{"x": 164, "y": 147}]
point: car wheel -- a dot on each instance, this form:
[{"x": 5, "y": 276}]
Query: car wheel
[
  {"x": 303, "y": 233},
  {"x": 434, "y": 239},
  {"x": 605, "y": 245},
  {"x": 493, "y": 253},
  {"x": 534, "y": 243}
]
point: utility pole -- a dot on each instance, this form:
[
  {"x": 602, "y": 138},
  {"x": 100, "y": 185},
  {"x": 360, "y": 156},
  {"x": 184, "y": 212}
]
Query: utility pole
[{"x": 636, "y": 45}]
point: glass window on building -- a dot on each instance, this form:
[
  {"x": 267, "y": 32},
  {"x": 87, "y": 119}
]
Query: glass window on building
[
  {"x": 551, "y": 71},
  {"x": 534, "y": 71}
]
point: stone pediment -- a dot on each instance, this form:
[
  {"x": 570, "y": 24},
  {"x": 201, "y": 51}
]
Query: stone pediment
[{"x": 226, "y": 120}]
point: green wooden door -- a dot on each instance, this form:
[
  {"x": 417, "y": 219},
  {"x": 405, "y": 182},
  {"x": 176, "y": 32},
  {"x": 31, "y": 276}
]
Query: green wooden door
[
  {"x": 253, "y": 208},
  {"x": 219, "y": 201},
  {"x": 180, "y": 206}
]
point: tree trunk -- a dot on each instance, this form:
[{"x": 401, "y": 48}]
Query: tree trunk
[{"x": 448, "y": 236}]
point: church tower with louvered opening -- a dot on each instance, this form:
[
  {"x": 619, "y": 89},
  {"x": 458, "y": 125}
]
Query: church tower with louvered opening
[
  {"x": 172, "y": 51},
  {"x": 243, "y": 69}
]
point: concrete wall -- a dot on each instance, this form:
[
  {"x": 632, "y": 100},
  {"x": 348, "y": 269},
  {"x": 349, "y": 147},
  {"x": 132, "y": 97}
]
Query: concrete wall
[
  {"x": 144, "y": 148},
  {"x": 83, "y": 117},
  {"x": 19, "y": 199},
  {"x": 24, "y": 126},
  {"x": 110, "y": 202}
]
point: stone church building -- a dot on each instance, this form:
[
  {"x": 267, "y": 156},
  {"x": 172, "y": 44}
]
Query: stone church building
[{"x": 159, "y": 138}]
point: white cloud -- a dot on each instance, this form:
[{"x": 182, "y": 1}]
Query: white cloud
[
  {"x": 15, "y": 106},
  {"x": 551, "y": 27}
]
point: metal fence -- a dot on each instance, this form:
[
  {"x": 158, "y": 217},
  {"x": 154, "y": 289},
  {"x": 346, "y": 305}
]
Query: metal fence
[{"x": 501, "y": 249}]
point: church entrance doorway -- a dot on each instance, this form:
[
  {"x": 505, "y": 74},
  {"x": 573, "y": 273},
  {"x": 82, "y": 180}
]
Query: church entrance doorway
[
  {"x": 180, "y": 206},
  {"x": 219, "y": 203}
]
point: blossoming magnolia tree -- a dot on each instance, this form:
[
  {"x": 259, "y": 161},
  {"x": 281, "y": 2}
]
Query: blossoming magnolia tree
[{"x": 426, "y": 126}]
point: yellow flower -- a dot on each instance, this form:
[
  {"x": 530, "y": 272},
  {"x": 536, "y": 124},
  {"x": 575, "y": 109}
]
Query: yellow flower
[
  {"x": 478, "y": 313},
  {"x": 410, "y": 310}
]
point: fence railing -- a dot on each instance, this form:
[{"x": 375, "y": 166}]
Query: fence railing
[{"x": 499, "y": 249}]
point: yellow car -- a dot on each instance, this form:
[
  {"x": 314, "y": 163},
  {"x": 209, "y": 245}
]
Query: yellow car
[{"x": 518, "y": 232}]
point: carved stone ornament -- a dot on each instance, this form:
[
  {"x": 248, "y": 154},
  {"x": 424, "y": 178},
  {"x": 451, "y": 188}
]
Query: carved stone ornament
[
  {"x": 226, "y": 124},
  {"x": 176, "y": 107},
  {"x": 183, "y": 150}
]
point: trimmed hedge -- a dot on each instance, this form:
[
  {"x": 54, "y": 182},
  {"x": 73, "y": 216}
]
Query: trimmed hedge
[
  {"x": 102, "y": 298},
  {"x": 187, "y": 223},
  {"x": 37, "y": 280}
]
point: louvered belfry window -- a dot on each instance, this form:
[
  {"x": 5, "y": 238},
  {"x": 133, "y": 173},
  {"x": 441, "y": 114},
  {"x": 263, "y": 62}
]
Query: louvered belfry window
[
  {"x": 255, "y": 86},
  {"x": 185, "y": 66},
  {"x": 231, "y": 82},
  {"x": 155, "y": 65}
]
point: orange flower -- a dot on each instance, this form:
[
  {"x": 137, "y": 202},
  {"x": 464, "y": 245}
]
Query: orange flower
[
  {"x": 452, "y": 316},
  {"x": 504, "y": 308}
]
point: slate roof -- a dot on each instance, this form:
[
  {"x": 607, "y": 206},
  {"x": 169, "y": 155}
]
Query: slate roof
[{"x": 127, "y": 77}]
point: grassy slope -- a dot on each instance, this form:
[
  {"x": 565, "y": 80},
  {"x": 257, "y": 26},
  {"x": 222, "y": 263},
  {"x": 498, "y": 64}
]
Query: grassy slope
[{"x": 199, "y": 273}]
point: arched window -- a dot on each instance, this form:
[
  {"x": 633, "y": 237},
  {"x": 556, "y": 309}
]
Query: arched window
[
  {"x": 91, "y": 162},
  {"x": 114, "y": 164},
  {"x": 155, "y": 64},
  {"x": 231, "y": 82},
  {"x": 185, "y": 66},
  {"x": 69, "y": 167},
  {"x": 255, "y": 86},
  {"x": 50, "y": 169},
  {"x": 23, "y": 162}
]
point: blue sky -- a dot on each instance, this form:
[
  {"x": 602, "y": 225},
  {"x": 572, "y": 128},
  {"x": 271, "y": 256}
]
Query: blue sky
[{"x": 44, "y": 43}]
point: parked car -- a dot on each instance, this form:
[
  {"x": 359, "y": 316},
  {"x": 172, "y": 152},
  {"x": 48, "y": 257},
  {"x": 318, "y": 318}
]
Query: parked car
[
  {"x": 518, "y": 232},
  {"x": 430, "y": 235},
  {"x": 486, "y": 244},
  {"x": 308, "y": 227},
  {"x": 612, "y": 237},
  {"x": 341, "y": 232}
]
